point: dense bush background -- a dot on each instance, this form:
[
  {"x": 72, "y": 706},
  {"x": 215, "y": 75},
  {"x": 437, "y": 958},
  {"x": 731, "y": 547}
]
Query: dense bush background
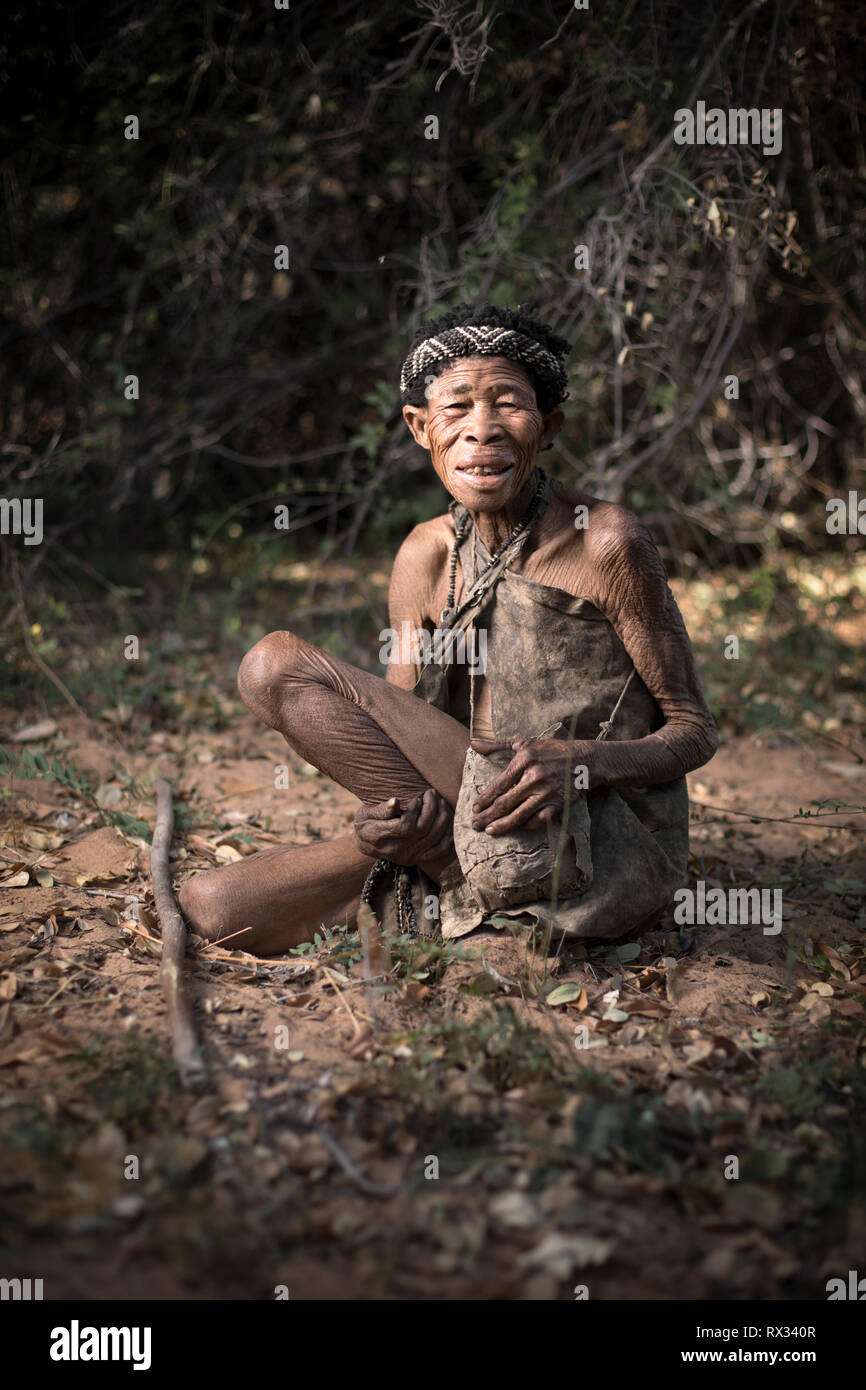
[{"x": 261, "y": 127}]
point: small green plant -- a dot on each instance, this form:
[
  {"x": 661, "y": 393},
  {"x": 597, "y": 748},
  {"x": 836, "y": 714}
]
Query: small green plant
[
  {"x": 31, "y": 764},
  {"x": 132, "y": 1086},
  {"x": 497, "y": 1045},
  {"x": 416, "y": 958},
  {"x": 422, "y": 958},
  {"x": 51, "y": 1139},
  {"x": 341, "y": 946},
  {"x": 801, "y": 1090}
]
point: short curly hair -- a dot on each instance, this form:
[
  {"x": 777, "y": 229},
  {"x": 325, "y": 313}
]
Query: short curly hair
[{"x": 536, "y": 348}]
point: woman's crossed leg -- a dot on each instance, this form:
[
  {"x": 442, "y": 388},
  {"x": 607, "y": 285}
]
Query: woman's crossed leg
[{"x": 376, "y": 740}]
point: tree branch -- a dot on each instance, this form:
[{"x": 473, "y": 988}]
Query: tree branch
[{"x": 184, "y": 1043}]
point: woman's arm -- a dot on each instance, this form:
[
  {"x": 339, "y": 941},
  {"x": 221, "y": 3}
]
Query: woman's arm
[
  {"x": 415, "y": 579},
  {"x": 419, "y": 832},
  {"x": 628, "y": 584},
  {"x": 634, "y": 596}
]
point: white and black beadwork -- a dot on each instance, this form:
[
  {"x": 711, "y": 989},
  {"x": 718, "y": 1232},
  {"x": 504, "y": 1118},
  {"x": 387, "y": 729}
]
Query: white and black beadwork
[{"x": 472, "y": 340}]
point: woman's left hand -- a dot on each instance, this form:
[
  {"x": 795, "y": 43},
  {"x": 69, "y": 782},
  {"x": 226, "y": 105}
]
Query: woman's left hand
[{"x": 531, "y": 790}]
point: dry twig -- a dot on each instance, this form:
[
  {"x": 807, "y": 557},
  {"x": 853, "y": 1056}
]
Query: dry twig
[{"x": 185, "y": 1048}]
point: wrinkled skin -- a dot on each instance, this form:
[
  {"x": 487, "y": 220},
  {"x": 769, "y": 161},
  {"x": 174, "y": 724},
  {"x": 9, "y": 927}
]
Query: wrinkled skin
[
  {"x": 420, "y": 834},
  {"x": 402, "y": 758},
  {"x": 483, "y": 410}
]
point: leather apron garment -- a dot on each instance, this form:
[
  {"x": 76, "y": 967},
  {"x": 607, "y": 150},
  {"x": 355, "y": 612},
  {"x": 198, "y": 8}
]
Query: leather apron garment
[{"x": 556, "y": 668}]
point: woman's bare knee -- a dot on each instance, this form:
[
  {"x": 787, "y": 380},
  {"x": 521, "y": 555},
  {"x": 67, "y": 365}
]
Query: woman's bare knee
[
  {"x": 202, "y": 901},
  {"x": 265, "y": 669}
]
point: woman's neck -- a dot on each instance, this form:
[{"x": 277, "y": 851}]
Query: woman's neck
[{"x": 494, "y": 528}]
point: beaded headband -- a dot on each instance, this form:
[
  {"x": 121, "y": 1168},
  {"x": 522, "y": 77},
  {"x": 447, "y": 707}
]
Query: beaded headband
[{"x": 483, "y": 340}]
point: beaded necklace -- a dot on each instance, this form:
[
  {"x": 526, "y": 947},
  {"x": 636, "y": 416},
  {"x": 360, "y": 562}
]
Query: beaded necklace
[
  {"x": 491, "y": 572},
  {"x": 516, "y": 539}
]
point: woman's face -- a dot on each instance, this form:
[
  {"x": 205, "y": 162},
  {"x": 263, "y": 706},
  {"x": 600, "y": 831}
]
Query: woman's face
[{"x": 483, "y": 429}]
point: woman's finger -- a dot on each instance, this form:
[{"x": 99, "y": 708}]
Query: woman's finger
[
  {"x": 541, "y": 819},
  {"x": 441, "y": 829},
  {"x": 509, "y": 800},
  {"x": 428, "y": 813},
  {"x": 380, "y": 832},
  {"x": 503, "y": 782},
  {"x": 521, "y": 816},
  {"x": 434, "y": 844}
]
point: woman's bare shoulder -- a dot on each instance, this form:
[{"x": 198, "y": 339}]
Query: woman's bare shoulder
[
  {"x": 588, "y": 513},
  {"x": 427, "y": 544}
]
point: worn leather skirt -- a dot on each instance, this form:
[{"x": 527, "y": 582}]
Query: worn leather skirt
[{"x": 609, "y": 869}]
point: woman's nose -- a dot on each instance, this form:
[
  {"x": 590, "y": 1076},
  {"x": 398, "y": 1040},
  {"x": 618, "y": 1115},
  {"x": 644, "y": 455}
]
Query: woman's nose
[{"x": 483, "y": 426}]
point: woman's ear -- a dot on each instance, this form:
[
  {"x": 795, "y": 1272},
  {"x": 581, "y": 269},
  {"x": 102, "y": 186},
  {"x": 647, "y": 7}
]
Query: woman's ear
[
  {"x": 552, "y": 422},
  {"x": 416, "y": 418}
]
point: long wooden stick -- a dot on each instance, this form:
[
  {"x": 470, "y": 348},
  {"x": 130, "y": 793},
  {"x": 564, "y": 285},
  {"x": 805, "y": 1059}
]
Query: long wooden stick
[{"x": 184, "y": 1043}]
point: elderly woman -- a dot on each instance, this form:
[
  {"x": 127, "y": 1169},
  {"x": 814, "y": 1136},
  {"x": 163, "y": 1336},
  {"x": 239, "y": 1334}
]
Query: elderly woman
[{"x": 563, "y": 752}]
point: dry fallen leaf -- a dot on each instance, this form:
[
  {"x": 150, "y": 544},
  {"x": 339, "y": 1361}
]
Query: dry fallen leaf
[
  {"x": 820, "y": 1011},
  {"x": 650, "y": 1008},
  {"x": 41, "y": 839},
  {"x": 35, "y": 1047},
  {"x": 18, "y": 880},
  {"x": 198, "y": 843},
  {"x": 569, "y": 993},
  {"x": 836, "y": 960},
  {"x": 47, "y": 970},
  {"x": 560, "y": 1254},
  {"x": 698, "y": 1052},
  {"x": 228, "y": 853},
  {"x": 415, "y": 991},
  {"x": 681, "y": 1094},
  {"x": 31, "y": 732},
  {"x": 515, "y": 1209}
]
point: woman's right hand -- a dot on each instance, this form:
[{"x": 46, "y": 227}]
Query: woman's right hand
[{"x": 421, "y": 832}]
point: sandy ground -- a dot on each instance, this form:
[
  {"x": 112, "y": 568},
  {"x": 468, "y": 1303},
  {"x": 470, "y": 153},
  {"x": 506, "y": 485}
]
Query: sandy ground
[{"x": 311, "y": 1160}]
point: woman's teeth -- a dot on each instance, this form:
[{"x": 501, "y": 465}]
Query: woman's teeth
[{"x": 481, "y": 472}]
